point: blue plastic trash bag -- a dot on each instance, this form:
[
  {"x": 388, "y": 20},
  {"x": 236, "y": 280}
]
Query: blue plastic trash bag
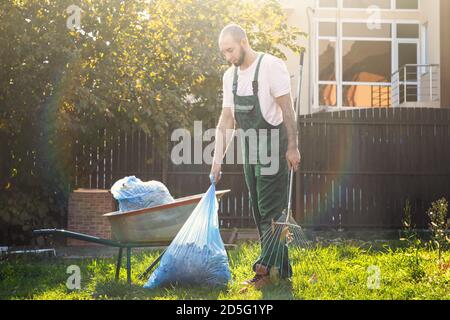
[
  {"x": 133, "y": 194},
  {"x": 197, "y": 254}
]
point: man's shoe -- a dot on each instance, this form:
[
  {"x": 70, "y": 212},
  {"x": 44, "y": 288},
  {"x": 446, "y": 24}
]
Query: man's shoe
[{"x": 260, "y": 280}]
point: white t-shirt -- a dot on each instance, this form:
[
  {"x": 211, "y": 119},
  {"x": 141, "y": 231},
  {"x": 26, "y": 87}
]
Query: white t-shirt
[{"x": 273, "y": 81}]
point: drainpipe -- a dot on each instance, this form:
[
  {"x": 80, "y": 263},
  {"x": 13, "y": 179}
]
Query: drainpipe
[{"x": 310, "y": 10}]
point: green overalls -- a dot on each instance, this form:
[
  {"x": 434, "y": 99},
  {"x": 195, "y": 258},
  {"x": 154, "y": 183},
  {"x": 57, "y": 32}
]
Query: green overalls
[{"x": 268, "y": 193}]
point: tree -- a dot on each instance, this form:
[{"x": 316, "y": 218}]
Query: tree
[{"x": 147, "y": 65}]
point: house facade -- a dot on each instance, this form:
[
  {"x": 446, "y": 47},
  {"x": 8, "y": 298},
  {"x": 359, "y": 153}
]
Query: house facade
[{"x": 371, "y": 53}]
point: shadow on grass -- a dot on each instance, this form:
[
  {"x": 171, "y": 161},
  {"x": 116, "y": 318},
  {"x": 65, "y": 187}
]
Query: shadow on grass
[
  {"x": 122, "y": 290},
  {"x": 26, "y": 277},
  {"x": 281, "y": 291}
]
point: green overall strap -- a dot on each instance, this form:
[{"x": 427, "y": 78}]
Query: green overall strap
[
  {"x": 235, "y": 81},
  {"x": 255, "y": 79}
]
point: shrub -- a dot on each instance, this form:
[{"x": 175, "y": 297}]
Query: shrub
[
  {"x": 409, "y": 234},
  {"x": 439, "y": 225}
]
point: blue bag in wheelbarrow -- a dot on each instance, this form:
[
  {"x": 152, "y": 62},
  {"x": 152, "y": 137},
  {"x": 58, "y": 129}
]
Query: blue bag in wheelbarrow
[
  {"x": 197, "y": 254},
  {"x": 134, "y": 194}
]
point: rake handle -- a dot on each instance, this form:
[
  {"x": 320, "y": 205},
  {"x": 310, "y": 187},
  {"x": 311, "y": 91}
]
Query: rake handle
[{"x": 297, "y": 110}]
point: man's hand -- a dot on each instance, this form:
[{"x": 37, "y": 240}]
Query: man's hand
[
  {"x": 293, "y": 158},
  {"x": 215, "y": 172}
]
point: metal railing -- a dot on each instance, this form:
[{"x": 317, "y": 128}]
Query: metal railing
[
  {"x": 416, "y": 85},
  {"x": 380, "y": 96}
]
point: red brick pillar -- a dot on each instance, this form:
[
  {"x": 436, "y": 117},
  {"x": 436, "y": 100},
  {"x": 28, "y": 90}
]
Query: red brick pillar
[{"x": 86, "y": 209}]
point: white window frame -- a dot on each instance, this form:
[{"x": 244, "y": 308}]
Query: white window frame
[
  {"x": 341, "y": 62},
  {"x": 415, "y": 41},
  {"x": 340, "y": 6},
  {"x": 336, "y": 64},
  {"x": 339, "y": 57},
  {"x": 425, "y": 43}
]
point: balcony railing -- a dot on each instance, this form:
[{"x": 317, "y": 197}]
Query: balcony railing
[
  {"x": 380, "y": 96},
  {"x": 416, "y": 85}
]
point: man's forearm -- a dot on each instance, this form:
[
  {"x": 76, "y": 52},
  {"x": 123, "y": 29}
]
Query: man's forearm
[
  {"x": 289, "y": 117},
  {"x": 224, "y": 135}
]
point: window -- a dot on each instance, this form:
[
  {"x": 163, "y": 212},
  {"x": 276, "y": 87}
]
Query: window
[
  {"x": 410, "y": 31},
  {"x": 327, "y": 63},
  {"x": 382, "y": 30},
  {"x": 328, "y": 4},
  {"x": 407, "y": 4},
  {"x": 366, "y": 61},
  {"x": 407, "y": 54},
  {"x": 367, "y": 95},
  {"x": 327, "y": 49},
  {"x": 327, "y": 29},
  {"x": 355, "y": 61},
  {"x": 328, "y": 95},
  {"x": 364, "y": 4}
]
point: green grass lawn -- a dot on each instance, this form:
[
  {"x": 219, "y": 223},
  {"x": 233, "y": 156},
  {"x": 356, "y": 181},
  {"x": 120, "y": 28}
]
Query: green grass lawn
[{"x": 348, "y": 272}]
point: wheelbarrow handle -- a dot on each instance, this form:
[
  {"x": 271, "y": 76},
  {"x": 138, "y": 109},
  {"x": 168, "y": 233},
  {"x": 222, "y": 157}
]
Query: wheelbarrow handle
[
  {"x": 78, "y": 236},
  {"x": 150, "y": 268}
]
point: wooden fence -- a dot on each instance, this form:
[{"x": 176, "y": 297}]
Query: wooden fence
[{"x": 358, "y": 168}]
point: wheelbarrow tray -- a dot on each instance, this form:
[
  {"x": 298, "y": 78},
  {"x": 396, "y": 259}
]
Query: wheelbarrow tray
[{"x": 158, "y": 224}]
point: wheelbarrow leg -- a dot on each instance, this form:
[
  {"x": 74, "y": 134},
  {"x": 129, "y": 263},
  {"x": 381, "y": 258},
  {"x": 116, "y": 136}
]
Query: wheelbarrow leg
[
  {"x": 129, "y": 265},
  {"x": 119, "y": 263}
]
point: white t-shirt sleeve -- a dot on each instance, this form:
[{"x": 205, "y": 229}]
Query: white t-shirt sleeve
[
  {"x": 279, "y": 79},
  {"x": 228, "y": 101}
]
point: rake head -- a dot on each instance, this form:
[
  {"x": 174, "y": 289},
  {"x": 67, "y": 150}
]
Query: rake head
[{"x": 286, "y": 230}]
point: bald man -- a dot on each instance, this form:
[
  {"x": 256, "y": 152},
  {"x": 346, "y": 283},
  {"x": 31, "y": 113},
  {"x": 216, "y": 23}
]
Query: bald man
[{"x": 257, "y": 97}]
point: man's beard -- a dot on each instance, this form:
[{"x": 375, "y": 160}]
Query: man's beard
[{"x": 241, "y": 58}]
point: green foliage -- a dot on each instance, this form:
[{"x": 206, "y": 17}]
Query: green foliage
[
  {"x": 415, "y": 269},
  {"x": 148, "y": 65},
  {"x": 27, "y": 209},
  {"x": 407, "y": 218},
  {"x": 439, "y": 224},
  {"x": 410, "y": 236}
]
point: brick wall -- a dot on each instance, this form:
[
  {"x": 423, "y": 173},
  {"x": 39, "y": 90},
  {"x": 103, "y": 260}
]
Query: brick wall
[{"x": 85, "y": 215}]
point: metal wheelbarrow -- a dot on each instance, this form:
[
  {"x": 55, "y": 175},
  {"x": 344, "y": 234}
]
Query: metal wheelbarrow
[{"x": 149, "y": 227}]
